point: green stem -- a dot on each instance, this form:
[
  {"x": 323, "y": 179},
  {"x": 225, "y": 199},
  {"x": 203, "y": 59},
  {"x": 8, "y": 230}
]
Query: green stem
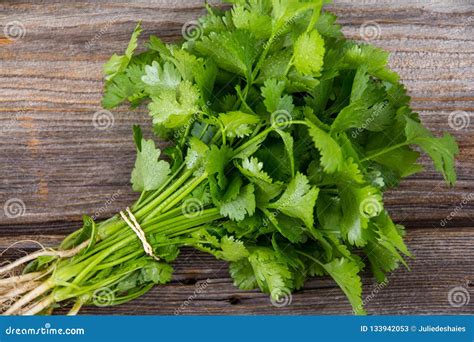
[
  {"x": 264, "y": 54},
  {"x": 165, "y": 194},
  {"x": 288, "y": 67},
  {"x": 186, "y": 133},
  {"x": 311, "y": 257},
  {"x": 391, "y": 148},
  {"x": 119, "y": 261},
  {"x": 133, "y": 295},
  {"x": 164, "y": 221},
  {"x": 176, "y": 197},
  {"x": 206, "y": 216},
  {"x": 243, "y": 100},
  {"x": 169, "y": 214},
  {"x": 330, "y": 191},
  {"x": 157, "y": 192},
  {"x": 188, "y": 190},
  {"x": 252, "y": 141},
  {"x": 204, "y": 131},
  {"x": 177, "y": 224}
]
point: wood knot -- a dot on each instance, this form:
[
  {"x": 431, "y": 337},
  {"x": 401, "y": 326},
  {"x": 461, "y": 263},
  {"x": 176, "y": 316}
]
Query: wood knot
[{"x": 234, "y": 300}]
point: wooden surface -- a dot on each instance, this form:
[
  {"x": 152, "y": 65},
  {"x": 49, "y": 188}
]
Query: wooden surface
[{"x": 60, "y": 166}]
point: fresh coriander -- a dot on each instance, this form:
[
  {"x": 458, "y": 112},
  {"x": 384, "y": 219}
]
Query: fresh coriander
[{"x": 285, "y": 137}]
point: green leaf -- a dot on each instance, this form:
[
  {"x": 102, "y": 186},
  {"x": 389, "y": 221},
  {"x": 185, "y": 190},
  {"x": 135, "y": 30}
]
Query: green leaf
[
  {"x": 232, "y": 250},
  {"x": 351, "y": 173},
  {"x": 234, "y": 51},
  {"x": 243, "y": 275},
  {"x": 329, "y": 212},
  {"x": 137, "y": 136},
  {"x": 390, "y": 233},
  {"x": 201, "y": 71},
  {"x": 203, "y": 131},
  {"x": 88, "y": 232},
  {"x": 309, "y": 53},
  {"x": 254, "y": 19},
  {"x": 161, "y": 78},
  {"x": 272, "y": 274},
  {"x": 384, "y": 247},
  {"x": 227, "y": 248},
  {"x": 360, "y": 84},
  {"x": 290, "y": 228},
  {"x": 345, "y": 273},
  {"x": 117, "y": 90},
  {"x": 298, "y": 200},
  {"x": 164, "y": 247},
  {"x": 375, "y": 59},
  {"x": 359, "y": 205},
  {"x": 128, "y": 283},
  {"x": 149, "y": 172},
  {"x": 285, "y": 12},
  {"x": 238, "y": 124},
  {"x": 401, "y": 160},
  {"x": 331, "y": 153},
  {"x": 275, "y": 67},
  {"x": 157, "y": 272},
  {"x": 233, "y": 189},
  {"x": 126, "y": 85},
  {"x": 266, "y": 189},
  {"x": 197, "y": 153},
  {"x": 116, "y": 64},
  {"x": 251, "y": 149},
  {"x": 369, "y": 108},
  {"x": 243, "y": 204},
  {"x": 288, "y": 141},
  {"x": 156, "y": 44},
  {"x": 274, "y": 100},
  {"x": 327, "y": 26},
  {"x": 216, "y": 161},
  {"x": 175, "y": 107},
  {"x": 254, "y": 169},
  {"x": 441, "y": 150}
]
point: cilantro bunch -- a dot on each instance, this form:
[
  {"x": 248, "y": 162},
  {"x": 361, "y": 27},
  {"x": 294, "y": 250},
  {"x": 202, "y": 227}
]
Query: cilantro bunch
[{"x": 284, "y": 137}]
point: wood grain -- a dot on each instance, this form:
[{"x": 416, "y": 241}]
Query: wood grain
[{"x": 61, "y": 166}]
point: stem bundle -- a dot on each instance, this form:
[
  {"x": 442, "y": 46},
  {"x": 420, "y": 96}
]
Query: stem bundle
[{"x": 104, "y": 259}]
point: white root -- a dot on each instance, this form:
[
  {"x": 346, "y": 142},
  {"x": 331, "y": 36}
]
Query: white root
[
  {"x": 30, "y": 296},
  {"x": 43, "y": 304},
  {"x": 18, "y": 291},
  {"x": 21, "y": 278},
  {"x": 21, "y": 241},
  {"x": 60, "y": 254}
]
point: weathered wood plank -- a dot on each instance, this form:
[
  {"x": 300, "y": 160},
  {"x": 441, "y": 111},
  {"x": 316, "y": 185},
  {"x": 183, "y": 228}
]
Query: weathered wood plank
[
  {"x": 60, "y": 166},
  {"x": 443, "y": 260}
]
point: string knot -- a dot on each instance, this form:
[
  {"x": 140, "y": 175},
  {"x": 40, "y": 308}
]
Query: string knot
[{"x": 132, "y": 222}]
